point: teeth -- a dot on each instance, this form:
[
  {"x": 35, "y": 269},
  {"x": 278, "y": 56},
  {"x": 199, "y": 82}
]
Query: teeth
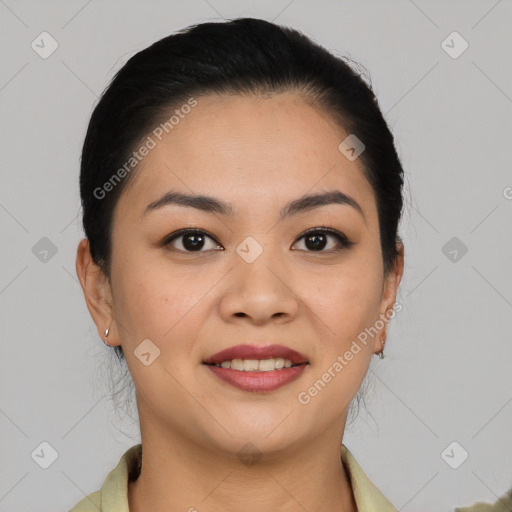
[
  {"x": 267, "y": 365},
  {"x": 254, "y": 365},
  {"x": 237, "y": 364},
  {"x": 250, "y": 365}
]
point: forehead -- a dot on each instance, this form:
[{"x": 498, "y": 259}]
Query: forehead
[{"x": 252, "y": 151}]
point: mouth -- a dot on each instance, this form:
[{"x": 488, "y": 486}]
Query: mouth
[
  {"x": 256, "y": 365},
  {"x": 257, "y": 368}
]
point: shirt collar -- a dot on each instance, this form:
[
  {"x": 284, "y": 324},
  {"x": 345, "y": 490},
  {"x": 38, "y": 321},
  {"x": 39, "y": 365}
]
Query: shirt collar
[
  {"x": 368, "y": 497},
  {"x": 113, "y": 495}
]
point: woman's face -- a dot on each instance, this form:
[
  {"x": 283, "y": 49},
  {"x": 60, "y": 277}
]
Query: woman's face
[{"x": 250, "y": 277}]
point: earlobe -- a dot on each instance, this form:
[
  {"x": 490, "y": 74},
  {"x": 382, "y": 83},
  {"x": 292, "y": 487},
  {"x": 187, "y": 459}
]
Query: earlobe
[
  {"x": 96, "y": 289},
  {"x": 382, "y": 343},
  {"x": 105, "y": 336}
]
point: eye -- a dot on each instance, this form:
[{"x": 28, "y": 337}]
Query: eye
[
  {"x": 316, "y": 240},
  {"x": 191, "y": 240}
]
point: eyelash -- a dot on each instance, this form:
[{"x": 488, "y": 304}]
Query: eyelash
[{"x": 342, "y": 239}]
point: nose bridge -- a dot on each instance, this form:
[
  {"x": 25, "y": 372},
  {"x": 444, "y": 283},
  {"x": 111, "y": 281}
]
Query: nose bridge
[
  {"x": 258, "y": 285},
  {"x": 254, "y": 260}
]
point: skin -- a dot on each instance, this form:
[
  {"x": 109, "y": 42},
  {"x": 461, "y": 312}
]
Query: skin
[{"x": 257, "y": 153}]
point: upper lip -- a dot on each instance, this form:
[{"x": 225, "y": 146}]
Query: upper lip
[{"x": 257, "y": 352}]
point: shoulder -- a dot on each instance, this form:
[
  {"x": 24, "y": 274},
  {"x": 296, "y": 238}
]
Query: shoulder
[{"x": 503, "y": 504}]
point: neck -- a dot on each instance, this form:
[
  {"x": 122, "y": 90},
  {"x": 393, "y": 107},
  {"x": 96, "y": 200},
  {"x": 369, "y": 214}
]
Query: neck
[{"x": 179, "y": 474}]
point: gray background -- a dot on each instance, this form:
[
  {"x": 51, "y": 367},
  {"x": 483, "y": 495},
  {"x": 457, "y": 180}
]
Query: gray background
[{"x": 447, "y": 376}]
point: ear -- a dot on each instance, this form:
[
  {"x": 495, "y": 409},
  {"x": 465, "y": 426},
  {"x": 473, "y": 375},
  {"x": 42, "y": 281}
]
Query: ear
[
  {"x": 97, "y": 292},
  {"x": 389, "y": 292}
]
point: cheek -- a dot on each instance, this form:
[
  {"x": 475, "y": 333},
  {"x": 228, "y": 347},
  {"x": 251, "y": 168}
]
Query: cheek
[
  {"x": 159, "y": 302},
  {"x": 348, "y": 290},
  {"x": 159, "y": 307},
  {"x": 345, "y": 306},
  {"x": 345, "y": 302}
]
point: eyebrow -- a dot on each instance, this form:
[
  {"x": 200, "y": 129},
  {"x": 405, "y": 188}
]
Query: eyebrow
[{"x": 212, "y": 205}]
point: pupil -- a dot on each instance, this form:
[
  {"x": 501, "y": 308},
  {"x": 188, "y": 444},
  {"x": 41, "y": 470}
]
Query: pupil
[
  {"x": 315, "y": 238},
  {"x": 199, "y": 240}
]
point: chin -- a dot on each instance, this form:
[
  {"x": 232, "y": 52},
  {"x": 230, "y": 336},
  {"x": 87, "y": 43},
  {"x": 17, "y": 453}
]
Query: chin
[{"x": 269, "y": 435}]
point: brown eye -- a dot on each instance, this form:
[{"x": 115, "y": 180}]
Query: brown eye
[
  {"x": 316, "y": 240},
  {"x": 190, "y": 240}
]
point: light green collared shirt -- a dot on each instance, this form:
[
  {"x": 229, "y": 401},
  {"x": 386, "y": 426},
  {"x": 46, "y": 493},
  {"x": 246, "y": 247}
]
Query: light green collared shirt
[{"x": 113, "y": 495}]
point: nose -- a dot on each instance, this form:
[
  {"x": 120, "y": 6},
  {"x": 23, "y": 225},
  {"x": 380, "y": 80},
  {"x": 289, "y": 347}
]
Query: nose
[{"x": 260, "y": 291}]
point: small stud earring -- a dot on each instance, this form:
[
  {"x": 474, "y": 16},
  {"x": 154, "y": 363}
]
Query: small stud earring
[{"x": 107, "y": 331}]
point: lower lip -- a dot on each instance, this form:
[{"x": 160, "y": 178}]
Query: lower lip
[{"x": 258, "y": 381}]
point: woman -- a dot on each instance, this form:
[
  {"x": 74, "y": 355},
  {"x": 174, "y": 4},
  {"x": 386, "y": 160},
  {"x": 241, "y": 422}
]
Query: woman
[{"x": 241, "y": 194}]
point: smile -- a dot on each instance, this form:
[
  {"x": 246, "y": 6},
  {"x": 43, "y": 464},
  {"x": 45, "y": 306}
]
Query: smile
[
  {"x": 254, "y": 365},
  {"x": 257, "y": 375}
]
